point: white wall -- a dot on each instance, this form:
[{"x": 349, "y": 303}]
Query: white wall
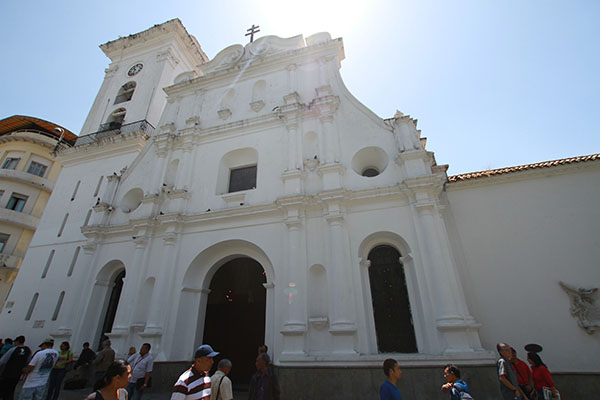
[{"x": 521, "y": 234}]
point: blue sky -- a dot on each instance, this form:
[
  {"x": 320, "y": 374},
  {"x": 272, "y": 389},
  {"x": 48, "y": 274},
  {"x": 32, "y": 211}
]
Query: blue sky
[{"x": 492, "y": 83}]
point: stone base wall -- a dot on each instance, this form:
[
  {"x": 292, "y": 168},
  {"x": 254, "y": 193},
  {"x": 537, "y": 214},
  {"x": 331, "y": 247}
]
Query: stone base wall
[{"x": 363, "y": 383}]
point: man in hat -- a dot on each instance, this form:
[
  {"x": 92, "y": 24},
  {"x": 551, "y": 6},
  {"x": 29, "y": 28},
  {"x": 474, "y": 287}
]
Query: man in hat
[
  {"x": 194, "y": 384},
  {"x": 38, "y": 371},
  {"x": 11, "y": 365}
]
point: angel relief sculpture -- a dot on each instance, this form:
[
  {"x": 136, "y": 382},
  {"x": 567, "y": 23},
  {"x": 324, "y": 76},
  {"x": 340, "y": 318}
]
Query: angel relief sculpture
[{"x": 584, "y": 306}]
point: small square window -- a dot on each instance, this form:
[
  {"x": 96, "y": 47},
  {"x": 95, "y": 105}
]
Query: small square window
[
  {"x": 11, "y": 163},
  {"x": 37, "y": 169},
  {"x": 16, "y": 202},
  {"x": 242, "y": 179},
  {"x": 3, "y": 240}
]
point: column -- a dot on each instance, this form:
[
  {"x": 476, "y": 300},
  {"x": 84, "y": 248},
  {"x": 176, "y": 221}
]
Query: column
[
  {"x": 157, "y": 303},
  {"x": 458, "y": 329},
  {"x": 294, "y": 329},
  {"x": 343, "y": 326},
  {"x": 123, "y": 329},
  {"x": 328, "y": 139}
]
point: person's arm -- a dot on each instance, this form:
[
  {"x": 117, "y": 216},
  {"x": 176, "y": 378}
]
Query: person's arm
[
  {"x": 446, "y": 387},
  {"x": 548, "y": 380},
  {"x": 6, "y": 356},
  {"x": 509, "y": 385},
  {"x": 70, "y": 357},
  {"x": 146, "y": 378},
  {"x": 226, "y": 391}
]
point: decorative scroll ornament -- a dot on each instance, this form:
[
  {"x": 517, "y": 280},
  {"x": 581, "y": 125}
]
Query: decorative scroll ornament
[{"x": 584, "y": 306}]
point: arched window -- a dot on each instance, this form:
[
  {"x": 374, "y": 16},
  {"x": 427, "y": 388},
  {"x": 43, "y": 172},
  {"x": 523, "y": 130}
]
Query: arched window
[
  {"x": 125, "y": 93},
  {"x": 115, "y": 120},
  {"x": 391, "y": 306}
]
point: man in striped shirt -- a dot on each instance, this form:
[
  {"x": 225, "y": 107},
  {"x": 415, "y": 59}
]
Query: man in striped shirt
[{"x": 194, "y": 384}]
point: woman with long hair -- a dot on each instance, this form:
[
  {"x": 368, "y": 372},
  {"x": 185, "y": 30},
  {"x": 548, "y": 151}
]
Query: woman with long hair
[
  {"x": 112, "y": 385},
  {"x": 541, "y": 376}
]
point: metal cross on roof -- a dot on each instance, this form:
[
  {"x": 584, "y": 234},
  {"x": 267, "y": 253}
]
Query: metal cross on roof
[{"x": 251, "y": 31}]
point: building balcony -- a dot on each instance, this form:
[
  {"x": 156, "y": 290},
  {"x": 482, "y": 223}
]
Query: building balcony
[
  {"x": 9, "y": 262},
  {"x": 112, "y": 129},
  {"x": 27, "y": 178},
  {"x": 18, "y": 219}
]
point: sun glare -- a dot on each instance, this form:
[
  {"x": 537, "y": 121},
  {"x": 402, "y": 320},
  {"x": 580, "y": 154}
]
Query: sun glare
[{"x": 290, "y": 18}]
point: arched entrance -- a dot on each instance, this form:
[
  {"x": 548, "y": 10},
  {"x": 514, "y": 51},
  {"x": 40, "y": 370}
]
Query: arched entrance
[
  {"x": 391, "y": 306},
  {"x": 235, "y": 315},
  {"x": 115, "y": 288}
]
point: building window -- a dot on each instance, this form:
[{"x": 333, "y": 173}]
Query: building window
[
  {"x": 48, "y": 262},
  {"x": 87, "y": 218},
  {"x": 31, "y": 306},
  {"x": 38, "y": 169},
  {"x": 75, "y": 190},
  {"x": 17, "y": 202},
  {"x": 98, "y": 185},
  {"x": 125, "y": 93},
  {"x": 11, "y": 163},
  {"x": 391, "y": 307},
  {"x": 62, "y": 226},
  {"x": 114, "y": 121},
  {"x": 242, "y": 179},
  {"x": 370, "y": 172},
  {"x": 74, "y": 261},
  {"x": 3, "y": 240},
  {"x": 58, "y": 305}
]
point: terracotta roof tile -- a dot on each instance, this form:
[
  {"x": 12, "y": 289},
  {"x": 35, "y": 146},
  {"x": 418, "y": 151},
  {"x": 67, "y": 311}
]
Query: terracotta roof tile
[{"x": 507, "y": 170}]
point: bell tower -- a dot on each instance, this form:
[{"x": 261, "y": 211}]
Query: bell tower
[{"x": 141, "y": 65}]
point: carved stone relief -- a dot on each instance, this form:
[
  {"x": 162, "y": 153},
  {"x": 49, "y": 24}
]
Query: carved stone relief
[{"x": 584, "y": 306}]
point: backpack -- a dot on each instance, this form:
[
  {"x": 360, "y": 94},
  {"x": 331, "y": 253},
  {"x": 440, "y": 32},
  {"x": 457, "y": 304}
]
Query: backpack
[{"x": 463, "y": 394}]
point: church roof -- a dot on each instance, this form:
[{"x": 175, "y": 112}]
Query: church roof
[
  {"x": 518, "y": 168},
  {"x": 46, "y": 128}
]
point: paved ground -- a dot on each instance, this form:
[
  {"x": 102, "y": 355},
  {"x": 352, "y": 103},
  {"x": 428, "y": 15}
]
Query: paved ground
[{"x": 83, "y": 393}]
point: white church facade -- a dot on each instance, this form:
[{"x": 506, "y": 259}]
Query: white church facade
[{"x": 252, "y": 199}]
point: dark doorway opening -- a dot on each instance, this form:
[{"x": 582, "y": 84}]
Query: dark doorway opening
[
  {"x": 391, "y": 306},
  {"x": 235, "y": 316},
  {"x": 111, "y": 310}
]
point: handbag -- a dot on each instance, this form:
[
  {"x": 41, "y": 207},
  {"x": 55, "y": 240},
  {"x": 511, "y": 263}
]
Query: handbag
[{"x": 549, "y": 395}]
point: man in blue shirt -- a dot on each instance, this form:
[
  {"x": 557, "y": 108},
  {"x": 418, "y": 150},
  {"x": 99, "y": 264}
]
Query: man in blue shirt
[
  {"x": 389, "y": 390},
  {"x": 458, "y": 388}
]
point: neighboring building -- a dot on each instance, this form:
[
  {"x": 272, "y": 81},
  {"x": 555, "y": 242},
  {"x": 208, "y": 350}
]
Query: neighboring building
[
  {"x": 28, "y": 173},
  {"x": 252, "y": 199}
]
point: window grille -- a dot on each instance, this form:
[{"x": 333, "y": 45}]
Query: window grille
[
  {"x": 242, "y": 179},
  {"x": 36, "y": 168}
]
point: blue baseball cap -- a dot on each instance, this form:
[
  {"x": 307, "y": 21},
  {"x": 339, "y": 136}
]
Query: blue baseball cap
[{"x": 205, "y": 351}]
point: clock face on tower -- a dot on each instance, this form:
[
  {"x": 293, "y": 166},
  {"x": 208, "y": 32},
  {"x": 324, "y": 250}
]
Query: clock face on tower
[{"x": 135, "y": 69}]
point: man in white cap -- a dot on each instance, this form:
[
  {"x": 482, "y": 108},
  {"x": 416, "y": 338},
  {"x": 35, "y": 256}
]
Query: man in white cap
[
  {"x": 194, "y": 384},
  {"x": 38, "y": 371}
]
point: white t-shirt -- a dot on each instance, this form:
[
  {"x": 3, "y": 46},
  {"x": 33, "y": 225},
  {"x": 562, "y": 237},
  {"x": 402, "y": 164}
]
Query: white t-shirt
[{"x": 42, "y": 361}]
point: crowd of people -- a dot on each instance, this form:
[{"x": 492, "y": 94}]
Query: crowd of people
[
  {"x": 44, "y": 371},
  {"x": 517, "y": 380}
]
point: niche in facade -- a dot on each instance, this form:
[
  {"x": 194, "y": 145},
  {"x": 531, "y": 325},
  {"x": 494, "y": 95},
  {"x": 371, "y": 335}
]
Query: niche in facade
[
  {"x": 226, "y": 104},
  {"x": 258, "y": 95},
  {"x": 370, "y": 161},
  {"x": 131, "y": 200}
]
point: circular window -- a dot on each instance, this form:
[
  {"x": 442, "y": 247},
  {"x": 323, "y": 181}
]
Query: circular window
[
  {"x": 370, "y": 161},
  {"x": 370, "y": 172},
  {"x": 131, "y": 200}
]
